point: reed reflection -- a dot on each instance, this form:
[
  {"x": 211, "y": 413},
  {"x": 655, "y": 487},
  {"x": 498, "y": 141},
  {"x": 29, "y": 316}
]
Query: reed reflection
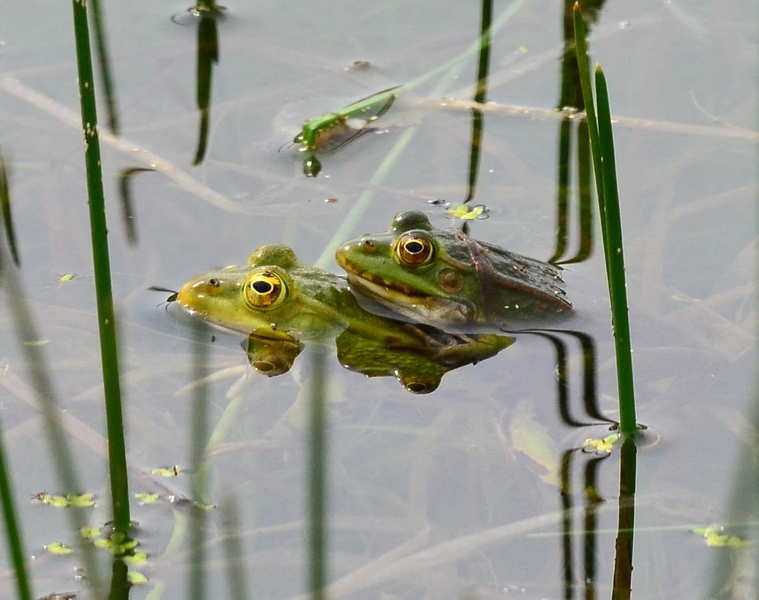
[
  {"x": 590, "y": 464},
  {"x": 208, "y": 55},
  {"x": 571, "y": 103},
  {"x": 127, "y": 206},
  {"x": 480, "y": 96}
]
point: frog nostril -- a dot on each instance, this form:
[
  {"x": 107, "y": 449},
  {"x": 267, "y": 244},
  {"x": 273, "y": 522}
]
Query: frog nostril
[
  {"x": 214, "y": 283},
  {"x": 367, "y": 246}
]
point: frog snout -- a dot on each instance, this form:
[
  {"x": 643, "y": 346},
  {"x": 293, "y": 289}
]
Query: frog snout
[{"x": 195, "y": 289}]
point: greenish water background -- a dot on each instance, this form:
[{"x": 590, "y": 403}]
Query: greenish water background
[{"x": 405, "y": 470}]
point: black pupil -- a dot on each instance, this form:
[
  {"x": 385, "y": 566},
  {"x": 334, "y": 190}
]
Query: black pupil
[
  {"x": 414, "y": 247},
  {"x": 262, "y": 287}
]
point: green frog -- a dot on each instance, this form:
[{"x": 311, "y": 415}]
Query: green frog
[
  {"x": 279, "y": 303},
  {"x": 446, "y": 278}
]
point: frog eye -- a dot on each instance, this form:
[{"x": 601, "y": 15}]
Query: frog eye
[
  {"x": 414, "y": 250},
  {"x": 263, "y": 289}
]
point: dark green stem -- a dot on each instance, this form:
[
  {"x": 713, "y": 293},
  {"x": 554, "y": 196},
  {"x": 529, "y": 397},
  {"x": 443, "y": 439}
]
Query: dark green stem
[
  {"x": 15, "y": 544},
  {"x": 317, "y": 530},
  {"x": 99, "y": 233},
  {"x": 604, "y": 167},
  {"x": 5, "y": 209},
  {"x": 199, "y": 428},
  {"x": 623, "y": 560},
  {"x": 615, "y": 261}
]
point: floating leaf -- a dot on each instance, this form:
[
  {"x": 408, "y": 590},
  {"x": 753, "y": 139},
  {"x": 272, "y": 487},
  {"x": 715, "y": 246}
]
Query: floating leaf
[
  {"x": 59, "y": 549},
  {"x": 138, "y": 558},
  {"x": 716, "y": 538},
  {"x": 89, "y": 533},
  {"x": 136, "y": 578},
  {"x": 467, "y": 213},
  {"x": 81, "y": 500},
  {"x": 167, "y": 471},
  {"x": 146, "y": 498},
  {"x": 602, "y": 446},
  {"x": 57, "y": 501},
  {"x": 66, "y": 277}
]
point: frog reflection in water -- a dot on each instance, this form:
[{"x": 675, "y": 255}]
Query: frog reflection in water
[
  {"x": 280, "y": 303},
  {"x": 447, "y": 278}
]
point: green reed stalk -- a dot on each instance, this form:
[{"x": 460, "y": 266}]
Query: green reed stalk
[
  {"x": 317, "y": 476},
  {"x": 615, "y": 260},
  {"x": 103, "y": 289},
  {"x": 5, "y": 209},
  {"x": 602, "y": 147},
  {"x": 199, "y": 428},
  {"x": 15, "y": 544}
]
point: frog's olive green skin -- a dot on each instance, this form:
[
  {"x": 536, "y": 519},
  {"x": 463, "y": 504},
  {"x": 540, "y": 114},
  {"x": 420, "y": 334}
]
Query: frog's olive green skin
[
  {"x": 447, "y": 278},
  {"x": 273, "y": 293},
  {"x": 279, "y": 302}
]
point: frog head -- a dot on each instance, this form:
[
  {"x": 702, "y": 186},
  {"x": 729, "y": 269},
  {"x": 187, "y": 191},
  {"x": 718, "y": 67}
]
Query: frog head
[
  {"x": 445, "y": 277},
  {"x": 410, "y": 268},
  {"x": 274, "y": 295}
]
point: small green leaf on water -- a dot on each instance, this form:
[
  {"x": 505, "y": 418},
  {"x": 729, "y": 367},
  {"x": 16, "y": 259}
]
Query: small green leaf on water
[
  {"x": 602, "y": 446},
  {"x": 59, "y": 549},
  {"x": 467, "y": 213},
  {"x": 146, "y": 498},
  {"x": 81, "y": 500},
  {"x": 102, "y": 543},
  {"x": 89, "y": 533},
  {"x": 138, "y": 558},
  {"x": 65, "y": 277},
  {"x": 716, "y": 538},
  {"x": 205, "y": 506},
  {"x": 136, "y": 578},
  {"x": 57, "y": 501},
  {"x": 167, "y": 471}
]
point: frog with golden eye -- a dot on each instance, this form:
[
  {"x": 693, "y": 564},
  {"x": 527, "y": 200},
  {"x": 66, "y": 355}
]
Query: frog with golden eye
[
  {"x": 446, "y": 278},
  {"x": 279, "y": 303}
]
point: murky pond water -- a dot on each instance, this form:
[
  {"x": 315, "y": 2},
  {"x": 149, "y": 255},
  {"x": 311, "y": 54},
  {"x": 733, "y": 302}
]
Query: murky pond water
[{"x": 481, "y": 488}]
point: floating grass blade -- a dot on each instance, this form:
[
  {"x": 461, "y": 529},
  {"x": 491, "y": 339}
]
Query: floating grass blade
[
  {"x": 13, "y": 534},
  {"x": 103, "y": 288},
  {"x": 602, "y": 148}
]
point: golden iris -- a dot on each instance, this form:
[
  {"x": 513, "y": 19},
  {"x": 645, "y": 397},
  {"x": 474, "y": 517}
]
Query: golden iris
[
  {"x": 414, "y": 250},
  {"x": 262, "y": 289}
]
